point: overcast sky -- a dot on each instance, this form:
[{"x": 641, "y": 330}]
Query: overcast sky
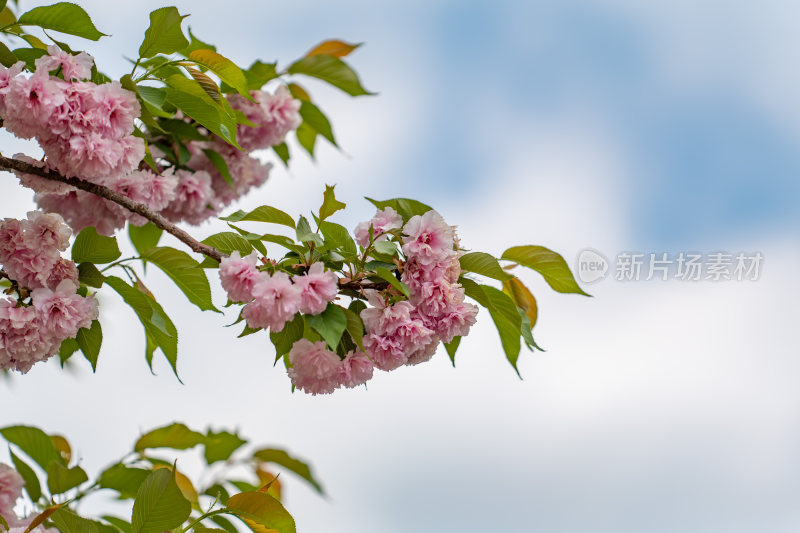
[{"x": 620, "y": 126}]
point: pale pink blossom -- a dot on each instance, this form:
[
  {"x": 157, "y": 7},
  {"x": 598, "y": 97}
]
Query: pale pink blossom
[
  {"x": 238, "y": 275},
  {"x": 317, "y": 288},
  {"x": 21, "y": 342},
  {"x": 11, "y": 484},
  {"x": 46, "y": 230},
  {"x": 29, "y": 104},
  {"x": 247, "y": 172},
  {"x": 72, "y": 66},
  {"x": 387, "y": 352},
  {"x": 274, "y": 117},
  {"x": 194, "y": 198},
  {"x": 7, "y": 75},
  {"x": 63, "y": 269},
  {"x": 113, "y": 109},
  {"x": 356, "y": 369},
  {"x": 63, "y": 312},
  {"x": 275, "y": 302},
  {"x": 142, "y": 186},
  {"x": 428, "y": 238},
  {"x": 81, "y": 209},
  {"x": 384, "y": 221},
  {"x": 313, "y": 368},
  {"x": 423, "y": 354}
]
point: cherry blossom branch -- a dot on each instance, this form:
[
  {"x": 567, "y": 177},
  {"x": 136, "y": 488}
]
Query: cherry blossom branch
[{"x": 7, "y": 163}]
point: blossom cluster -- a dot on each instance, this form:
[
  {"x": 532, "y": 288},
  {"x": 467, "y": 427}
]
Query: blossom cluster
[
  {"x": 11, "y": 484},
  {"x": 406, "y": 332},
  {"x": 87, "y": 131},
  {"x": 30, "y": 255}
]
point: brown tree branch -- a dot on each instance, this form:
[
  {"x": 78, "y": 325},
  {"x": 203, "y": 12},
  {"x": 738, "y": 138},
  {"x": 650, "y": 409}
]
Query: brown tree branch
[{"x": 7, "y": 163}]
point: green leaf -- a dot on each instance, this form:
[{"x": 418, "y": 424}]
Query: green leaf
[
  {"x": 7, "y": 57},
  {"x": 265, "y": 213},
  {"x": 285, "y": 338},
  {"x": 144, "y": 237},
  {"x": 317, "y": 120},
  {"x": 355, "y": 327},
  {"x": 35, "y": 443},
  {"x": 332, "y": 70},
  {"x": 330, "y": 204},
  {"x": 89, "y": 340},
  {"x": 181, "y": 130},
  {"x": 304, "y": 233},
  {"x": 222, "y": 67},
  {"x": 119, "y": 523},
  {"x": 387, "y": 275},
  {"x": 220, "y": 164},
  {"x": 124, "y": 479},
  {"x": 63, "y": 17},
  {"x": 89, "y": 275},
  {"x": 507, "y": 321},
  {"x": 228, "y": 241},
  {"x": 306, "y": 136},
  {"x": 547, "y": 263},
  {"x": 182, "y": 269},
  {"x": 451, "y": 348},
  {"x": 196, "y": 44},
  {"x": 188, "y": 96},
  {"x": 68, "y": 522},
  {"x": 282, "y": 151},
  {"x": 176, "y": 436},
  {"x": 60, "y": 479},
  {"x": 261, "y": 512},
  {"x": 160, "y": 332},
  {"x": 224, "y": 523},
  {"x": 164, "y": 36},
  {"x": 219, "y": 446},
  {"x": 406, "y": 207},
  {"x": 67, "y": 348},
  {"x": 260, "y": 73},
  {"x": 32, "y": 486},
  {"x": 483, "y": 264},
  {"x": 159, "y": 504},
  {"x": 282, "y": 458},
  {"x": 337, "y": 236},
  {"x": 331, "y": 323},
  {"x": 91, "y": 247}
]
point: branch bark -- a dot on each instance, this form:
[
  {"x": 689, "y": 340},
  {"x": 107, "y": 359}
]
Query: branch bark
[{"x": 7, "y": 163}]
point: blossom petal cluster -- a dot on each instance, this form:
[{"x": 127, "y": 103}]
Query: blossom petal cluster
[
  {"x": 316, "y": 370},
  {"x": 384, "y": 221},
  {"x": 30, "y": 255},
  {"x": 408, "y": 332},
  {"x": 87, "y": 131},
  {"x": 11, "y": 484}
]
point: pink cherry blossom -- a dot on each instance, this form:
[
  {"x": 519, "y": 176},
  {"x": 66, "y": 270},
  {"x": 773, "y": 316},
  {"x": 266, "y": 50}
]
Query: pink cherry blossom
[
  {"x": 387, "y": 352},
  {"x": 384, "y": 221},
  {"x": 317, "y": 287},
  {"x": 239, "y": 275},
  {"x": 81, "y": 209},
  {"x": 11, "y": 484},
  {"x": 46, "y": 230},
  {"x": 274, "y": 116},
  {"x": 314, "y": 369},
  {"x": 29, "y": 104},
  {"x": 428, "y": 238},
  {"x": 72, "y": 66},
  {"x": 113, "y": 109},
  {"x": 63, "y": 269},
  {"x": 275, "y": 302},
  {"x": 38, "y": 183},
  {"x": 356, "y": 369},
  {"x": 63, "y": 312},
  {"x": 21, "y": 342},
  {"x": 194, "y": 198}
]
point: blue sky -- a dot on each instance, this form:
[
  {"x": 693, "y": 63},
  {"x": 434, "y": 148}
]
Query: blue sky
[{"x": 617, "y": 125}]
